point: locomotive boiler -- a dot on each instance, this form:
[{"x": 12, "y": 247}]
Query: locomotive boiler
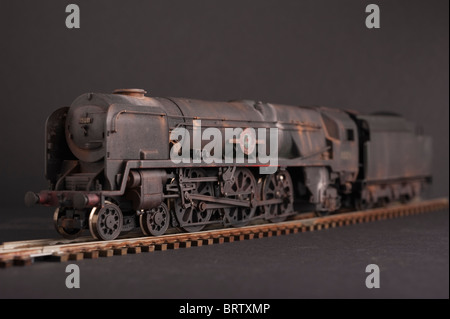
[{"x": 110, "y": 165}]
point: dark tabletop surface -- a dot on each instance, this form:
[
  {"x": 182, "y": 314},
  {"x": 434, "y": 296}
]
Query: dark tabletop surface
[{"x": 412, "y": 254}]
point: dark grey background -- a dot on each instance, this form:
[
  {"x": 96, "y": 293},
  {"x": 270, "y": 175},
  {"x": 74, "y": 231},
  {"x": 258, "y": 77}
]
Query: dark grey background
[{"x": 292, "y": 52}]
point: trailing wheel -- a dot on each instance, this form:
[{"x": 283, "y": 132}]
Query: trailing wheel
[{"x": 364, "y": 201}]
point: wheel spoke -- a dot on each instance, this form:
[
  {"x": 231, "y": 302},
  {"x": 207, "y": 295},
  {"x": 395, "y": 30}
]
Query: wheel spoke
[
  {"x": 155, "y": 222},
  {"x": 242, "y": 188},
  {"x": 278, "y": 186},
  {"x": 188, "y": 217},
  {"x": 106, "y": 222}
]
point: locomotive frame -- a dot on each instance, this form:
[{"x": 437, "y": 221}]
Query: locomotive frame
[{"x": 107, "y": 162}]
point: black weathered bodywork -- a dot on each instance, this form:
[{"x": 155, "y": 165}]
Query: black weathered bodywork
[{"x": 109, "y": 168}]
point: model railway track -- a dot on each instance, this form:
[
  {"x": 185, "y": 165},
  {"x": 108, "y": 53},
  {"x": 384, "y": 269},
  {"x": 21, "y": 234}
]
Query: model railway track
[{"x": 26, "y": 252}]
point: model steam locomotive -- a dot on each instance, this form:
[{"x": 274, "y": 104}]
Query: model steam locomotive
[{"x": 110, "y": 169}]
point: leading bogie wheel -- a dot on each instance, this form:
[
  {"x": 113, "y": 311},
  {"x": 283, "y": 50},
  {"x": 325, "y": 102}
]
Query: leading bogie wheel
[
  {"x": 156, "y": 221},
  {"x": 66, "y": 232},
  {"x": 106, "y": 222}
]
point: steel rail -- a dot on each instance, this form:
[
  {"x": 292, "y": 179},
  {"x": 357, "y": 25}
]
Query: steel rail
[{"x": 26, "y": 252}]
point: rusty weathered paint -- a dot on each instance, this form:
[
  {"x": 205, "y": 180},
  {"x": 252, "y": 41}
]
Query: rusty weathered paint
[{"x": 115, "y": 147}]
